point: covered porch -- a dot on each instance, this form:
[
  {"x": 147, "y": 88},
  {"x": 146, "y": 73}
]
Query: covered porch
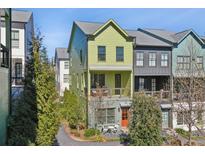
[{"x": 110, "y": 84}]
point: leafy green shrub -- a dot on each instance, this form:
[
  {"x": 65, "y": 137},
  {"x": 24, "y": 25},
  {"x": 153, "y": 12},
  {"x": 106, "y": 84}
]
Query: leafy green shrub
[
  {"x": 73, "y": 110},
  {"x": 182, "y": 132},
  {"x": 91, "y": 132}
]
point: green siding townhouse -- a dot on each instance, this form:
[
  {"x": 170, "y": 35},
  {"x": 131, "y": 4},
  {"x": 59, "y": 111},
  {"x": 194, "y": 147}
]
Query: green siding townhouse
[{"x": 101, "y": 70}]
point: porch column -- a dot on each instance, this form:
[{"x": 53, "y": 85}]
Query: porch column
[
  {"x": 132, "y": 85},
  {"x": 88, "y": 84}
]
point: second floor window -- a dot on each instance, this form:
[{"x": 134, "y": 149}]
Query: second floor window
[
  {"x": 152, "y": 59},
  {"x": 65, "y": 78},
  {"x": 183, "y": 62},
  {"x": 119, "y": 54},
  {"x": 164, "y": 59},
  {"x": 101, "y": 53},
  {"x": 66, "y": 65},
  {"x": 15, "y": 38},
  {"x": 199, "y": 62},
  {"x": 139, "y": 59}
]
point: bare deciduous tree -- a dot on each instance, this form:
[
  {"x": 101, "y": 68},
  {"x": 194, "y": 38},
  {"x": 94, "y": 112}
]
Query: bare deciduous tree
[{"x": 189, "y": 89}]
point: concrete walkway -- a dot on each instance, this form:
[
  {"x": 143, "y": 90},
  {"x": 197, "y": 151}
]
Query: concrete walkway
[{"x": 62, "y": 139}]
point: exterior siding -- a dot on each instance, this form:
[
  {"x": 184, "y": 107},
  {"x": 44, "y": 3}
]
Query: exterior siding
[
  {"x": 4, "y": 103},
  {"x": 182, "y": 50},
  {"x": 110, "y": 38},
  {"x": 77, "y": 69},
  {"x": 152, "y": 71}
]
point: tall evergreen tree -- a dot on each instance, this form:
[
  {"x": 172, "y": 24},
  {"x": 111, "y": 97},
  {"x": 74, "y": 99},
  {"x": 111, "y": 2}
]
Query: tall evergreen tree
[
  {"x": 35, "y": 120},
  {"x": 45, "y": 95},
  {"x": 145, "y": 127}
]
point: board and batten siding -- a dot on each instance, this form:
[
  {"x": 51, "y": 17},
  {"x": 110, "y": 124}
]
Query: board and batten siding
[{"x": 147, "y": 70}]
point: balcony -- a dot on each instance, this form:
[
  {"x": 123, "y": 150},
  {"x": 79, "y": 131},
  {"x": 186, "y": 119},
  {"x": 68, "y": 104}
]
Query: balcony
[
  {"x": 110, "y": 93},
  {"x": 161, "y": 95}
]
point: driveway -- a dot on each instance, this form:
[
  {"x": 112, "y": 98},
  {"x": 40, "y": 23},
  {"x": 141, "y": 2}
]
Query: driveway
[{"x": 62, "y": 139}]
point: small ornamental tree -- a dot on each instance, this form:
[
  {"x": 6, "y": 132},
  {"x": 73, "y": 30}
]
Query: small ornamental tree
[{"x": 145, "y": 122}]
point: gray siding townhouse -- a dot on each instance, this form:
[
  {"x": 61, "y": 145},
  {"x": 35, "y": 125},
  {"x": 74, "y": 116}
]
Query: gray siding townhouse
[
  {"x": 152, "y": 69},
  {"x": 158, "y": 54}
]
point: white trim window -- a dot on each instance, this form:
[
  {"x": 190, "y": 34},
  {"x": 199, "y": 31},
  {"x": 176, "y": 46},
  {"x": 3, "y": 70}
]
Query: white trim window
[
  {"x": 164, "y": 59},
  {"x": 65, "y": 78},
  {"x": 152, "y": 59},
  {"x": 15, "y": 38},
  {"x": 199, "y": 61},
  {"x": 140, "y": 59},
  {"x": 66, "y": 65}
]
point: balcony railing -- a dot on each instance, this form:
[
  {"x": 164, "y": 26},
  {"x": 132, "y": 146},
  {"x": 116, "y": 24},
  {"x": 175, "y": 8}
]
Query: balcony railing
[
  {"x": 110, "y": 92},
  {"x": 161, "y": 95},
  {"x": 4, "y": 56}
]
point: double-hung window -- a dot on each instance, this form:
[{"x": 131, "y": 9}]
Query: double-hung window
[
  {"x": 119, "y": 54},
  {"x": 199, "y": 60},
  {"x": 183, "y": 62},
  {"x": 152, "y": 59},
  {"x": 139, "y": 59},
  {"x": 164, "y": 59},
  {"x": 15, "y": 38},
  {"x": 101, "y": 53}
]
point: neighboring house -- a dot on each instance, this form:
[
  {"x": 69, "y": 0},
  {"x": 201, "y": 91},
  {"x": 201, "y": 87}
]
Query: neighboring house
[
  {"x": 62, "y": 69},
  {"x": 180, "y": 44},
  {"x": 101, "y": 70},
  {"x": 152, "y": 70},
  {"x": 22, "y": 32},
  {"x": 5, "y": 50}
]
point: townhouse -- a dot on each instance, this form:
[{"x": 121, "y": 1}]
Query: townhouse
[
  {"x": 101, "y": 70},
  {"x": 109, "y": 64},
  {"x": 21, "y": 35},
  {"x": 5, "y": 57},
  {"x": 62, "y": 70},
  {"x": 181, "y": 43}
]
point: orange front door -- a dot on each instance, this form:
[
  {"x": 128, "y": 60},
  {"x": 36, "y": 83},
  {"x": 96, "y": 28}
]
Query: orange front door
[{"x": 125, "y": 112}]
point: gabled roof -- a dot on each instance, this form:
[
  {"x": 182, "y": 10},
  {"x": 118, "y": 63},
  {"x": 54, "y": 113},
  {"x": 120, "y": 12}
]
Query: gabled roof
[
  {"x": 94, "y": 28},
  {"x": 61, "y": 53},
  {"x": 167, "y": 35},
  {"x": 172, "y": 37},
  {"x": 143, "y": 39},
  {"x": 88, "y": 27}
]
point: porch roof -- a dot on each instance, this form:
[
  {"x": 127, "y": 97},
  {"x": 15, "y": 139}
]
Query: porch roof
[{"x": 110, "y": 67}]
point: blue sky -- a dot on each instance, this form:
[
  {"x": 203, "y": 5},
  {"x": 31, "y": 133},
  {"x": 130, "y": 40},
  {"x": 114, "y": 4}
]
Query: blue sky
[{"x": 56, "y": 24}]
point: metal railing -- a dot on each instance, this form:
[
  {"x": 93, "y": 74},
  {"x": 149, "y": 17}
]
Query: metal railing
[
  {"x": 4, "y": 56},
  {"x": 109, "y": 92}
]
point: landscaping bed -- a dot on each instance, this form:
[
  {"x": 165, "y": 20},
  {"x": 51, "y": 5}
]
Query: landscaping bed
[{"x": 91, "y": 135}]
